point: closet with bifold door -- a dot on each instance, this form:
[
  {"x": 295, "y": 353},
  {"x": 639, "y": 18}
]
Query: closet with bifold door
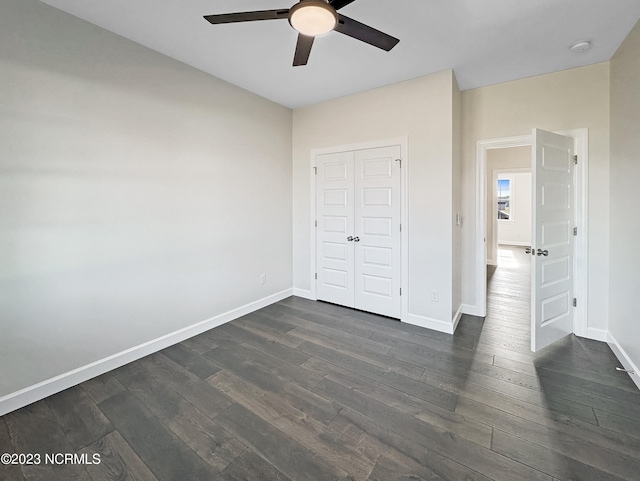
[{"x": 358, "y": 232}]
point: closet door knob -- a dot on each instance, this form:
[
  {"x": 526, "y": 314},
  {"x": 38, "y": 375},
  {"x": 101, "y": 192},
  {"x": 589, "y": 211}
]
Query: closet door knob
[
  {"x": 356, "y": 239},
  {"x": 542, "y": 252},
  {"x": 350, "y": 238}
]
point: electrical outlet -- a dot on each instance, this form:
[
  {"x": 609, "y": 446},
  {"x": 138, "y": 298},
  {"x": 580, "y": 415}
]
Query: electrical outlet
[
  {"x": 263, "y": 278},
  {"x": 435, "y": 296}
]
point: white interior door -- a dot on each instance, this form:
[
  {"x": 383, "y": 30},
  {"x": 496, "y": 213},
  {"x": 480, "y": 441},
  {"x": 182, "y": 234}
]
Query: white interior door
[
  {"x": 377, "y": 231},
  {"x": 552, "y": 238},
  {"x": 335, "y": 217},
  {"x": 358, "y": 258}
]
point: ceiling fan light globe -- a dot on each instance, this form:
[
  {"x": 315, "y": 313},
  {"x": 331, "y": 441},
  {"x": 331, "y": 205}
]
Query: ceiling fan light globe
[{"x": 313, "y": 17}]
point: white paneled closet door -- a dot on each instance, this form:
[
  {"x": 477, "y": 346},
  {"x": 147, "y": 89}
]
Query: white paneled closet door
[
  {"x": 358, "y": 234},
  {"x": 377, "y": 228},
  {"x": 335, "y": 212}
]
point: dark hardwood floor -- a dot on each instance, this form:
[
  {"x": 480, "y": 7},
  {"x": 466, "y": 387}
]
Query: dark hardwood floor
[{"x": 311, "y": 391}]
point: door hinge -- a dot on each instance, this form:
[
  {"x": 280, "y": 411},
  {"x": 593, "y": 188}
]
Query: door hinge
[
  {"x": 575, "y": 231},
  {"x": 575, "y": 159},
  {"x": 316, "y": 276},
  {"x": 575, "y": 302},
  {"x": 316, "y": 223},
  {"x": 315, "y": 171},
  {"x": 401, "y": 291},
  {"x": 400, "y": 227},
  {"x": 399, "y": 160}
]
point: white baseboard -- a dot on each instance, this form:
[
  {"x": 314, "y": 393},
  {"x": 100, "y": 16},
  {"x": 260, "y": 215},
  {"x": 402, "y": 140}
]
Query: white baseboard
[
  {"x": 456, "y": 318},
  {"x": 597, "y": 334},
  {"x": 492, "y": 262},
  {"x": 429, "y": 323},
  {"x": 304, "y": 293},
  {"x": 624, "y": 359},
  {"x": 515, "y": 243},
  {"x": 43, "y": 389},
  {"x": 471, "y": 310}
]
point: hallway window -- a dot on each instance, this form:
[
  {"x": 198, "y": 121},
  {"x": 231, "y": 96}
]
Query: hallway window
[{"x": 504, "y": 199}]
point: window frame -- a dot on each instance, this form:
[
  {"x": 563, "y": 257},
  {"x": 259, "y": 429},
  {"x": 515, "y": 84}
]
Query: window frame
[{"x": 505, "y": 176}]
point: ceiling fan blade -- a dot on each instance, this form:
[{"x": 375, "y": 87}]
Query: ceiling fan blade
[
  {"x": 365, "y": 33},
  {"x": 338, "y": 4},
  {"x": 303, "y": 49},
  {"x": 247, "y": 16}
]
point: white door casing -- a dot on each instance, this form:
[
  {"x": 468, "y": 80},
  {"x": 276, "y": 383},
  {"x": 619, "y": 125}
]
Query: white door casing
[
  {"x": 358, "y": 241},
  {"x": 552, "y": 222},
  {"x": 377, "y": 228}
]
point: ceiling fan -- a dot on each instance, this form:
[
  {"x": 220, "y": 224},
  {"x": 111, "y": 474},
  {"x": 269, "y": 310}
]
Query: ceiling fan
[{"x": 311, "y": 18}]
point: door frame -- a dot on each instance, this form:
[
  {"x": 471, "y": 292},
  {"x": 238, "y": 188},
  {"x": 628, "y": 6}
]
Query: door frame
[
  {"x": 581, "y": 196},
  {"x": 403, "y": 142}
]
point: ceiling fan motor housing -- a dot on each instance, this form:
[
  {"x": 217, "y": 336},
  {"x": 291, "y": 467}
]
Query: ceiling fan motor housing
[{"x": 313, "y": 17}]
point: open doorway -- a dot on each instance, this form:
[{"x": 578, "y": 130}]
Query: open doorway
[
  {"x": 508, "y": 234},
  {"x": 550, "y": 235},
  {"x": 508, "y": 199}
]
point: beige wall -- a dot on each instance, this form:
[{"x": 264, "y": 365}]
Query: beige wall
[
  {"x": 420, "y": 109},
  {"x": 501, "y": 159},
  {"x": 138, "y": 196},
  {"x": 624, "y": 323},
  {"x": 570, "y": 99}
]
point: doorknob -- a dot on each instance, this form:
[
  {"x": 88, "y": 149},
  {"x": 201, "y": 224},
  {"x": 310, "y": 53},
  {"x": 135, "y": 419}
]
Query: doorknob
[
  {"x": 542, "y": 252},
  {"x": 527, "y": 250},
  {"x": 356, "y": 239},
  {"x": 350, "y": 238}
]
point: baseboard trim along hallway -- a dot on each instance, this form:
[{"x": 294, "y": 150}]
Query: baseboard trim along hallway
[{"x": 41, "y": 390}]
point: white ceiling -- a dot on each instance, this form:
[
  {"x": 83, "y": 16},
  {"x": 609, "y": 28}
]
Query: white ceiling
[{"x": 483, "y": 41}]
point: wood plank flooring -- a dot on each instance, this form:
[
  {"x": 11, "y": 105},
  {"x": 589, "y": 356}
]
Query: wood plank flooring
[{"x": 303, "y": 390}]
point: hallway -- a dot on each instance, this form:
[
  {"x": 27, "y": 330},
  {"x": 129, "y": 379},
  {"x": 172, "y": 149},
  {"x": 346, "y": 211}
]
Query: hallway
[{"x": 509, "y": 296}]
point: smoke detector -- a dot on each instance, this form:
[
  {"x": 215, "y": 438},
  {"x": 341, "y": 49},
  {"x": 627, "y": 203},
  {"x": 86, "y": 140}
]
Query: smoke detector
[{"x": 580, "y": 46}]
